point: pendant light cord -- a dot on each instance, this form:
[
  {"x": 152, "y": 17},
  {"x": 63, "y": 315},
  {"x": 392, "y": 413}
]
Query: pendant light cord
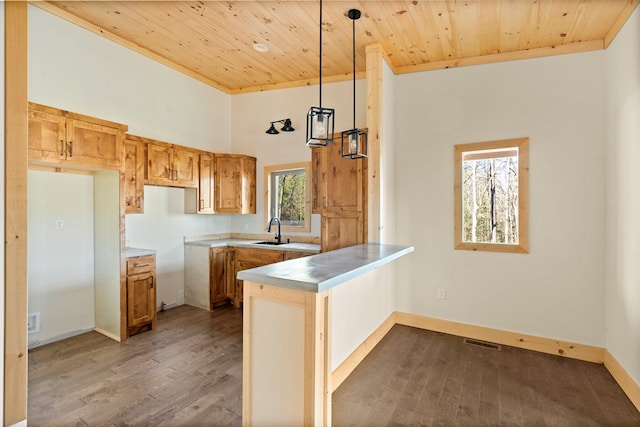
[
  {"x": 320, "y": 81},
  {"x": 354, "y": 73}
]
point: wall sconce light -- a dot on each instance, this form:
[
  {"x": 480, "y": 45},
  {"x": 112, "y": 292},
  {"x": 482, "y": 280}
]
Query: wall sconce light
[
  {"x": 354, "y": 141},
  {"x": 320, "y": 121},
  {"x": 286, "y": 128}
]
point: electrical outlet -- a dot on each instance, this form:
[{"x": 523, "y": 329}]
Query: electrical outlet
[
  {"x": 181, "y": 295},
  {"x": 442, "y": 294},
  {"x": 59, "y": 223}
]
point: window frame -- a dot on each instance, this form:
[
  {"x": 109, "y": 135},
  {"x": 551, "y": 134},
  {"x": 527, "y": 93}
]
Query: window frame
[
  {"x": 268, "y": 171},
  {"x": 523, "y": 195}
]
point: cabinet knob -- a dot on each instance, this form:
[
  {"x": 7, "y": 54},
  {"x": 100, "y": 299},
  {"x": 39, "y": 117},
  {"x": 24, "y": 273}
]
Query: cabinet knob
[{"x": 151, "y": 282}]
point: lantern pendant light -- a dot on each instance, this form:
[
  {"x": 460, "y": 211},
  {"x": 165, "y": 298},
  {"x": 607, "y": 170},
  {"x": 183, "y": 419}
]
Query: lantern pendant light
[
  {"x": 320, "y": 121},
  {"x": 354, "y": 141}
]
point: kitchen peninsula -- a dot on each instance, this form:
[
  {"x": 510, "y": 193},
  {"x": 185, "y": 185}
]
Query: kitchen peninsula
[{"x": 302, "y": 318}]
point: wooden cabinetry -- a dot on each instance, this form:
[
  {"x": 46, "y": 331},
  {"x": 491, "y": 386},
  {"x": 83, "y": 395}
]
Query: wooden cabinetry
[
  {"x": 64, "y": 138},
  {"x": 235, "y": 184},
  {"x": 339, "y": 188},
  {"x": 246, "y": 258},
  {"x": 222, "y": 276},
  {"x": 200, "y": 200},
  {"x": 141, "y": 294},
  {"x": 133, "y": 168},
  {"x": 169, "y": 164},
  {"x": 295, "y": 254}
]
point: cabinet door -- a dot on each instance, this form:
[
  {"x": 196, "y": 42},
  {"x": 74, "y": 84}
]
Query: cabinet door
[
  {"x": 205, "y": 183},
  {"x": 141, "y": 300},
  {"x": 219, "y": 275},
  {"x": 341, "y": 229},
  {"x": 343, "y": 180},
  {"x": 184, "y": 167},
  {"x": 133, "y": 176},
  {"x": 158, "y": 167},
  {"x": 246, "y": 258},
  {"x": 93, "y": 144},
  {"x": 47, "y": 139},
  {"x": 248, "y": 184},
  {"x": 227, "y": 189}
]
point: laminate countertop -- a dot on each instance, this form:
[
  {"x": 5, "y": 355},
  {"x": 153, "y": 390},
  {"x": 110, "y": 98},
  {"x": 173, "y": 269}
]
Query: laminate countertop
[
  {"x": 320, "y": 272},
  {"x": 253, "y": 243},
  {"x": 134, "y": 252}
]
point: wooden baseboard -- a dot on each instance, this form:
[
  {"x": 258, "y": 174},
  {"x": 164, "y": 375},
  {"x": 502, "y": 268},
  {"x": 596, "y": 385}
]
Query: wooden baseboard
[
  {"x": 627, "y": 384},
  {"x": 513, "y": 339},
  {"x": 350, "y": 363}
]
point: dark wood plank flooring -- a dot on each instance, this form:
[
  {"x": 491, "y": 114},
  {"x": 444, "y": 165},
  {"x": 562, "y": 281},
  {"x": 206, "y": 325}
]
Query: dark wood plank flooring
[
  {"x": 415, "y": 377},
  {"x": 189, "y": 373}
]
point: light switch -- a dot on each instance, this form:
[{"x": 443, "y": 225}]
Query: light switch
[{"x": 59, "y": 223}]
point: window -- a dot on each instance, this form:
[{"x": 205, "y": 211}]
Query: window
[
  {"x": 288, "y": 195},
  {"x": 491, "y": 196}
]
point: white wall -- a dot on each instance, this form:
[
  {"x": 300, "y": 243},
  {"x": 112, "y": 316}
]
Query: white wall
[
  {"x": 253, "y": 112},
  {"x": 74, "y": 69},
  {"x": 558, "y": 102},
  {"x": 623, "y": 197},
  {"x": 61, "y": 280}
]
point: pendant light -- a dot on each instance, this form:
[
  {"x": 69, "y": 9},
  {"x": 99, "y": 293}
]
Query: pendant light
[
  {"x": 320, "y": 120},
  {"x": 354, "y": 141}
]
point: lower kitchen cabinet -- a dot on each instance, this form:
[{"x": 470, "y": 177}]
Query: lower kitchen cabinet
[
  {"x": 141, "y": 294},
  {"x": 246, "y": 258},
  {"x": 221, "y": 276}
]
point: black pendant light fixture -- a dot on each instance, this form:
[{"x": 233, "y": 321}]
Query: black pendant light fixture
[
  {"x": 286, "y": 128},
  {"x": 354, "y": 141},
  {"x": 320, "y": 120}
]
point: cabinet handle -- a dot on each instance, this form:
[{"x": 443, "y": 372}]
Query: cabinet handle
[
  {"x": 136, "y": 265},
  {"x": 62, "y": 147},
  {"x": 151, "y": 282},
  {"x": 324, "y": 202},
  {"x": 70, "y": 148},
  {"x": 201, "y": 203},
  {"x": 138, "y": 201}
]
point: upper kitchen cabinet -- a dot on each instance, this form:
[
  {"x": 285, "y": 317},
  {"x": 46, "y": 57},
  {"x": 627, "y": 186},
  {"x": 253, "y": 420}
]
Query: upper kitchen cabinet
[
  {"x": 235, "y": 184},
  {"x": 337, "y": 183},
  {"x": 169, "y": 164},
  {"x": 133, "y": 166},
  {"x": 63, "y": 138},
  {"x": 200, "y": 200}
]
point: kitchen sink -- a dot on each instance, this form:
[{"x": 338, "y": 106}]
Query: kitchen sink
[{"x": 270, "y": 243}]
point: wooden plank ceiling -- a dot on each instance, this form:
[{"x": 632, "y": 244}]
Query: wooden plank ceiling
[{"x": 213, "y": 40}]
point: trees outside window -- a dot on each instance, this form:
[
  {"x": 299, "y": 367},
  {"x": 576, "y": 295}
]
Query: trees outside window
[
  {"x": 288, "y": 195},
  {"x": 491, "y": 195}
]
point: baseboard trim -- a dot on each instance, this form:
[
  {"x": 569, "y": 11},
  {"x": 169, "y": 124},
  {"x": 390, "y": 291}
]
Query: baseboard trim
[
  {"x": 624, "y": 380},
  {"x": 513, "y": 339},
  {"x": 353, "y": 360}
]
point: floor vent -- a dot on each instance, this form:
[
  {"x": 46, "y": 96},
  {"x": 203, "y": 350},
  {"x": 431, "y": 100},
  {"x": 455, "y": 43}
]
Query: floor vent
[{"x": 483, "y": 344}]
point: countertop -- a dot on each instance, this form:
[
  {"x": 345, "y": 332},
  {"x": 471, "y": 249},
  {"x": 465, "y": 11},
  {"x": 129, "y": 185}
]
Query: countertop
[
  {"x": 323, "y": 271},
  {"x": 249, "y": 243},
  {"x": 134, "y": 252}
]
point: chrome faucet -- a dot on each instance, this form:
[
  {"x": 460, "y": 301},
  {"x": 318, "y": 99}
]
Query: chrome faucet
[{"x": 278, "y": 234}]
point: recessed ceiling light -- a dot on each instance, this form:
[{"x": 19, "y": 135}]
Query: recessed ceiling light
[{"x": 260, "y": 47}]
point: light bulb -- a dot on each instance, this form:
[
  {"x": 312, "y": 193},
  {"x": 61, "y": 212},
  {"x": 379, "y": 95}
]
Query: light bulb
[
  {"x": 320, "y": 128},
  {"x": 353, "y": 143}
]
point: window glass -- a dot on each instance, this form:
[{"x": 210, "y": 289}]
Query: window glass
[
  {"x": 490, "y": 195},
  {"x": 287, "y": 195}
]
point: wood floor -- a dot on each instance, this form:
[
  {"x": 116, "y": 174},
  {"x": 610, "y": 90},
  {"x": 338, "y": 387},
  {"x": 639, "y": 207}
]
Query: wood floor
[{"x": 188, "y": 373}]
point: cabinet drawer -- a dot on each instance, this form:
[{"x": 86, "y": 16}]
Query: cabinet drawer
[
  {"x": 258, "y": 257},
  {"x": 141, "y": 264}
]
